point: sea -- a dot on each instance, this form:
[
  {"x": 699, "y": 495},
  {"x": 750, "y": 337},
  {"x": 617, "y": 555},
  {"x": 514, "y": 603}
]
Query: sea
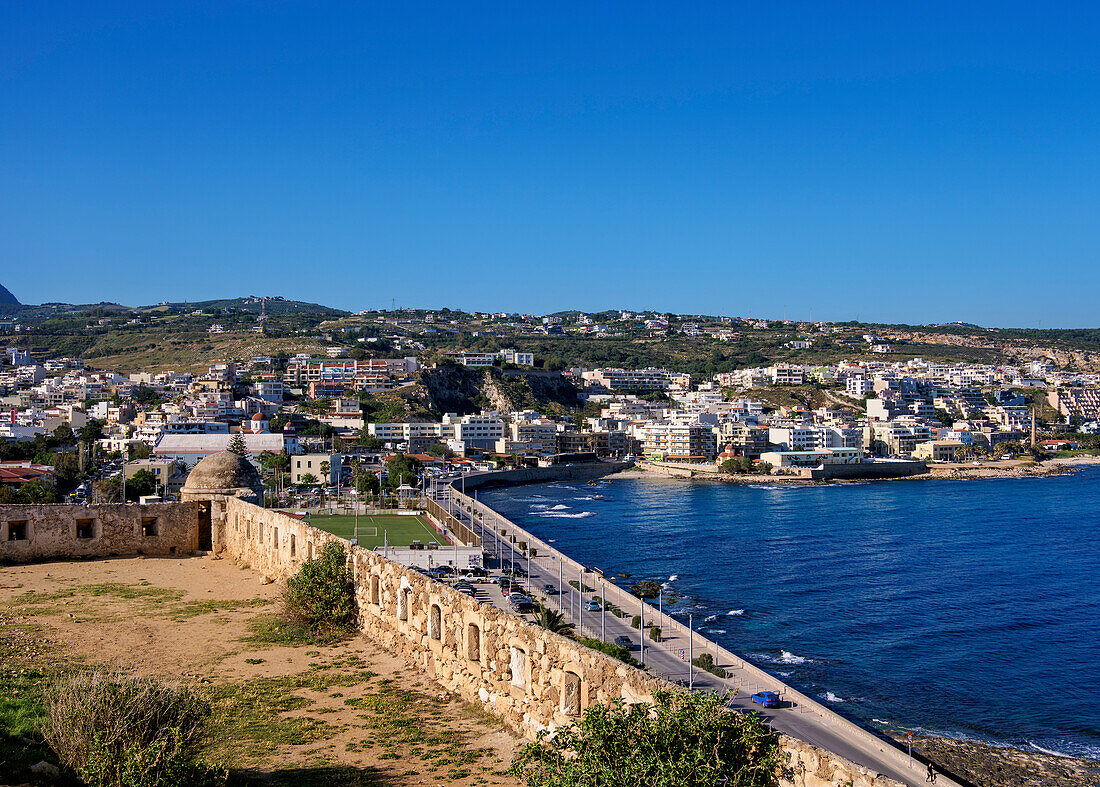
[{"x": 968, "y": 609}]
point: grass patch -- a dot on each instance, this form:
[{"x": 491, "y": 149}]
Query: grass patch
[
  {"x": 247, "y": 720},
  {"x": 274, "y": 629},
  {"x": 191, "y": 609}
]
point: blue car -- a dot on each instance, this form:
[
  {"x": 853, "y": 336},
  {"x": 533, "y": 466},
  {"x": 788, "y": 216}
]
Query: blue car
[
  {"x": 592, "y": 606},
  {"x": 769, "y": 699}
]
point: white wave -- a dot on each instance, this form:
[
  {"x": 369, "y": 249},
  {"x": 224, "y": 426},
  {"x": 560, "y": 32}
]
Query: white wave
[
  {"x": 715, "y": 631},
  {"x": 784, "y": 657},
  {"x": 589, "y": 497},
  {"x": 1051, "y": 752},
  {"x": 560, "y": 507},
  {"x": 711, "y": 618},
  {"x": 674, "y": 577},
  {"x": 830, "y": 697},
  {"x": 880, "y": 721},
  {"x": 566, "y": 515},
  {"x": 736, "y": 612}
]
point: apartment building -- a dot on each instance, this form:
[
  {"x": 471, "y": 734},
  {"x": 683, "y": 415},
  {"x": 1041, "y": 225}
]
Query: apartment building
[
  {"x": 649, "y": 379},
  {"x": 679, "y": 442}
]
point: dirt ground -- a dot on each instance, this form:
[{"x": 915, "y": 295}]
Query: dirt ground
[{"x": 342, "y": 714}]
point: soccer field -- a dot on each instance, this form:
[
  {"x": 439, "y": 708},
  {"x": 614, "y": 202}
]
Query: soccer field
[{"x": 399, "y": 531}]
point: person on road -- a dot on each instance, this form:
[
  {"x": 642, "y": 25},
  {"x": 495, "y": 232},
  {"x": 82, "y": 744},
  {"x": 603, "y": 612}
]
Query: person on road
[{"x": 931, "y": 774}]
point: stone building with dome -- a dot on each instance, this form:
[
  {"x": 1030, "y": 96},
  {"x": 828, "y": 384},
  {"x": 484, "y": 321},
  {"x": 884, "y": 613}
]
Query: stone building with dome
[{"x": 211, "y": 482}]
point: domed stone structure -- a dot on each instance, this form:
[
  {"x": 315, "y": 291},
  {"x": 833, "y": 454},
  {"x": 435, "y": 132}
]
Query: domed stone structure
[
  {"x": 210, "y": 483},
  {"x": 224, "y": 473}
]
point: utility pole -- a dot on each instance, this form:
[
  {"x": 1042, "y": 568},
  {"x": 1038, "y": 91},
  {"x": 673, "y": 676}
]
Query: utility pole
[
  {"x": 603, "y": 610},
  {"x": 691, "y": 654}
]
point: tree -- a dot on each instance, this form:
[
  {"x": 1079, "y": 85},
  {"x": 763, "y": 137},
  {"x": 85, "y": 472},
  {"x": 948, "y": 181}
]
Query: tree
[
  {"x": 236, "y": 445},
  {"x": 326, "y": 471},
  {"x": 684, "y": 739},
  {"x": 140, "y": 451},
  {"x": 554, "y": 621},
  {"x": 141, "y": 483},
  {"x": 37, "y": 492},
  {"x": 91, "y": 431},
  {"x": 307, "y": 479},
  {"x": 440, "y": 450}
]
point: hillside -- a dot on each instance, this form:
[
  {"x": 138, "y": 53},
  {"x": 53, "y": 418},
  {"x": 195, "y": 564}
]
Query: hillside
[{"x": 6, "y": 297}]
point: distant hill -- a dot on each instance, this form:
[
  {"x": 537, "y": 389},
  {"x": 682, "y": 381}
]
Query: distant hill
[{"x": 7, "y": 298}]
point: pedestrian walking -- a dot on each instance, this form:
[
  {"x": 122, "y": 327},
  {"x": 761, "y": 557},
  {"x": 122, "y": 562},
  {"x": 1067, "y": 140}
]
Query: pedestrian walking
[{"x": 931, "y": 774}]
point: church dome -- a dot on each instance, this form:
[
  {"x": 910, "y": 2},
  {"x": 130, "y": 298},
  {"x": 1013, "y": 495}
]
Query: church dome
[{"x": 221, "y": 471}]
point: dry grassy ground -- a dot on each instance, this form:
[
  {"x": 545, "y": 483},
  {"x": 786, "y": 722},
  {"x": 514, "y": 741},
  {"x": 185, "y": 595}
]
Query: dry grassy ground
[{"x": 344, "y": 714}]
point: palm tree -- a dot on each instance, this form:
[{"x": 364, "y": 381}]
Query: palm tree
[{"x": 554, "y": 621}]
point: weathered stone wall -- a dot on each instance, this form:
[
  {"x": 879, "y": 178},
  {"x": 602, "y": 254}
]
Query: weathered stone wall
[
  {"x": 530, "y": 678},
  {"x": 41, "y": 532}
]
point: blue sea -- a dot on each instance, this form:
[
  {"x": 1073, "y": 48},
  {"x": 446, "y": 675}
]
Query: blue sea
[{"x": 962, "y": 608}]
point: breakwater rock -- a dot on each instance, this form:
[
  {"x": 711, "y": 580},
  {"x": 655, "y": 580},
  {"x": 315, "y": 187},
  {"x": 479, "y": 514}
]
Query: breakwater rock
[{"x": 984, "y": 765}]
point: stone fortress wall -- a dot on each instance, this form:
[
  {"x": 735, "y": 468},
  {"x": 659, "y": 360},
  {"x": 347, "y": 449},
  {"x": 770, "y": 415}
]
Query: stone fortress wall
[
  {"x": 48, "y": 532},
  {"x": 528, "y": 677}
]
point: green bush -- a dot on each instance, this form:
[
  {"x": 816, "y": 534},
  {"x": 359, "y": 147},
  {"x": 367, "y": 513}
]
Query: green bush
[
  {"x": 655, "y": 633},
  {"x": 705, "y": 661},
  {"x": 681, "y": 740},
  {"x": 611, "y": 649},
  {"x": 321, "y": 596},
  {"x": 119, "y": 731},
  {"x": 636, "y": 622}
]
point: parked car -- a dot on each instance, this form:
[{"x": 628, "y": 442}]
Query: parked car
[
  {"x": 463, "y": 587},
  {"x": 623, "y": 641},
  {"x": 549, "y": 589},
  {"x": 769, "y": 699},
  {"x": 469, "y": 591},
  {"x": 592, "y": 606}
]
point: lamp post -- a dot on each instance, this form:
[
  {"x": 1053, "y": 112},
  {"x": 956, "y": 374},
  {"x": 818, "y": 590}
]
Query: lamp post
[{"x": 691, "y": 654}]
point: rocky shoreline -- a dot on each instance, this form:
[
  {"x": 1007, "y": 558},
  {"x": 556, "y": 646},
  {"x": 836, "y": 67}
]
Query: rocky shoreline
[
  {"x": 986, "y": 765},
  {"x": 939, "y": 472}
]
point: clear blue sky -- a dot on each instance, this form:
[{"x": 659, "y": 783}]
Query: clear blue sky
[{"x": 912, "y": 162}]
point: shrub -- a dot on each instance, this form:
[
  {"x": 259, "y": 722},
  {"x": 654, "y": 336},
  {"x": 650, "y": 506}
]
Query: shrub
[
  {"x": 636, "y": 622},
  {"x": 321, "y": 596},
  {"x": 611, "y": 649},
  {"x": 705, "y": 661},
  {"x": 655, "y": 633},
  {"x": 681, "y": 740},
  {"x": 120, "y": 731}
]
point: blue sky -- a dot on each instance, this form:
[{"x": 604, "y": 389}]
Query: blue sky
[{"x": 914, "y": 162}]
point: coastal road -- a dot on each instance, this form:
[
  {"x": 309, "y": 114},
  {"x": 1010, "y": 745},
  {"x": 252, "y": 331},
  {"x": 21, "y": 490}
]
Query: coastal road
[{"x": 671, "y": 657}]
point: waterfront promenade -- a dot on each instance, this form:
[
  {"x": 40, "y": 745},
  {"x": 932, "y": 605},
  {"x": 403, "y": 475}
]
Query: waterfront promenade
[{"x": 801, "y": 716}]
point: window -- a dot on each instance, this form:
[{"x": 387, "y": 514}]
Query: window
[
  {"x": 148, "y": 527},
  {"x": 473, "y": 642},
  {"x": 518, "y": 667},
  {"x": 292, "y": 550},
  {"x": 85, "y": 528},
  {"x": 376, "y": 590},
  {"x": 435, "y": 622},
  {"x": 275, "y": 537},
  {"x": 404, "y": 601},
  {"x": 571, "y": 695},
  {"x": 309, "y": 550},
  {"x": 17, "y": 530}
]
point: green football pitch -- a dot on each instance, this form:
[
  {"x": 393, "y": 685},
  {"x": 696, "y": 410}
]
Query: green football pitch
[{"x": 397, "y": 530}]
